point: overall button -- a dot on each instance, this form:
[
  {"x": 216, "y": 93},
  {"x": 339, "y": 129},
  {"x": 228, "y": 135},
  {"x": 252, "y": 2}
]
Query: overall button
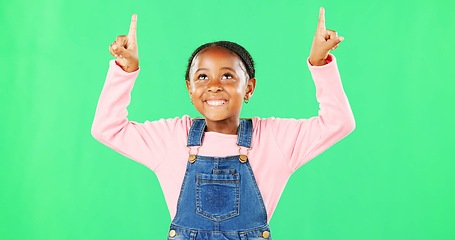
[
  {"x": 192, "y": 158},
  {"x": 243, "y": 158},
  {"x": 266, "y": 234},
  {"x": 172, "y": 233}
]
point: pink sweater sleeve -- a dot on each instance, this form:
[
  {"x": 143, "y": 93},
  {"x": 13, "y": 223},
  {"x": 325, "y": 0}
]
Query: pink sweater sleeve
[
  {"x": 302, "y": 140},
  {"x": 146, "y": 143}
]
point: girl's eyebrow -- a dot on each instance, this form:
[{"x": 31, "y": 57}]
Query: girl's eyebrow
[
  {"x": 202, "y": 69},
  {"x": 228, "y": 68}
]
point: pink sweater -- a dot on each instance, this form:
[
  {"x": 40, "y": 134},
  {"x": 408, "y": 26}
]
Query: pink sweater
[{"x": 279, "y": 146}]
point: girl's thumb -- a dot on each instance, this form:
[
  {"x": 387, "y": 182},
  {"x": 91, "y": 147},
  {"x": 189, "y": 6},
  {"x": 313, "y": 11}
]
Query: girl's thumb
[
  {"x": 121, "y": 51},
  {"x": 331, "y": 43}
]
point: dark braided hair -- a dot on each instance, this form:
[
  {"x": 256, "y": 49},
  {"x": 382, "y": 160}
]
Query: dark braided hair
[{"x": 243, "y": 54}]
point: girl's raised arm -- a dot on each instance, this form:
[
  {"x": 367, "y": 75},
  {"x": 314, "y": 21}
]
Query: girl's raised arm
[
  {"x": 303, "y": 139},
  {"x": 145, "y": 142}
]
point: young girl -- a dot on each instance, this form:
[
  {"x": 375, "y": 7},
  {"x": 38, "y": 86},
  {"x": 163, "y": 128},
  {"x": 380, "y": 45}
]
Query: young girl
[{"x": 222, "y": 176}]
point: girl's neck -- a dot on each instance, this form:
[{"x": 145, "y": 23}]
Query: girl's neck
[{"x": 225, "y": 126}]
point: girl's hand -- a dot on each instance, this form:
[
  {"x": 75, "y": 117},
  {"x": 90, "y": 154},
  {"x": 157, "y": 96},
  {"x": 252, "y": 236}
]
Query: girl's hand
[
  {"x": 324, "y": 41},
  {"x": 124, "y": 48}
]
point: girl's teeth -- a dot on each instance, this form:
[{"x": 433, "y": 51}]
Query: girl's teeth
[{"x": 216, "y": 102}]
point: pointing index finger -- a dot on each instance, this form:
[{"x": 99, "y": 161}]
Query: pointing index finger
[
  {"x": 321, "y": 22},
  {"x": 133, "y": 24}
]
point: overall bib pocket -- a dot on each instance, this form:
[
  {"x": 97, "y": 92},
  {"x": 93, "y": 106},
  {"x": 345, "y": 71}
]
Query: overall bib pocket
[{"x": 217, "y": 196}]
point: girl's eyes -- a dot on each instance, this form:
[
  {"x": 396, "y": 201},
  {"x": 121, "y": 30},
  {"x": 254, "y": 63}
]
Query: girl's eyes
[
  {"x": 227, "y": 76},
  {"x": 202, "y": 77},
  {"x": 205, "y": 77}
]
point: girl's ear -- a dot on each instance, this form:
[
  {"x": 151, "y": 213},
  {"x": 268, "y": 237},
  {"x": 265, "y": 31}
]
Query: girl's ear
[
  {"x": 251, "y": 85},
  {"x": 188, "y": 87}
]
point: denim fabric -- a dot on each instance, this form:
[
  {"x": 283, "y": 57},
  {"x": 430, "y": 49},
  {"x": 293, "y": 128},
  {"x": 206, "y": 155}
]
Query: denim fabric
[{"x": 219, "y": 198}]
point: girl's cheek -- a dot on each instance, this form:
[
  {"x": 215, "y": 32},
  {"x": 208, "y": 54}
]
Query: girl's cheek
[{"x": 200, "y": 86}]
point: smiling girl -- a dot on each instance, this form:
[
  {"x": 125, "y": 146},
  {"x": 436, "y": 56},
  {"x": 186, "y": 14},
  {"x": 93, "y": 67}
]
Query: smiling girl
[{"x": 222, "y": 176}]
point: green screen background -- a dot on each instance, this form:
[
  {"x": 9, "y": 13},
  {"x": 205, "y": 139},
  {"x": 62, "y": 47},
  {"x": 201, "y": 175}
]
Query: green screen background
[{"x": 392, "y": 178}]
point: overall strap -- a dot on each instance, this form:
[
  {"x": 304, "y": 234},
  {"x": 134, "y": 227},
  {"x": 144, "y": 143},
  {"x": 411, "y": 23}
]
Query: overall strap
[
  {"x": 245, "y": 133},
  {"x": 196, "y": 133}
]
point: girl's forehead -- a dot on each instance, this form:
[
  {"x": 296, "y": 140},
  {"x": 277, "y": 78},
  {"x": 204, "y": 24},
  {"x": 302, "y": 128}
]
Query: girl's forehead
[{"x": 216, "y": 55}]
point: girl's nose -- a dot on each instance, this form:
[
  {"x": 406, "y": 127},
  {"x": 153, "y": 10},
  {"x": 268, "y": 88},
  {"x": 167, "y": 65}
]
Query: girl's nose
[{"x": 214, "y": 86}]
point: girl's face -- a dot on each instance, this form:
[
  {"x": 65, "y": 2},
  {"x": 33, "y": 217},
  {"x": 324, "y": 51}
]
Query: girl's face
[{"x": 218, "y": 85}]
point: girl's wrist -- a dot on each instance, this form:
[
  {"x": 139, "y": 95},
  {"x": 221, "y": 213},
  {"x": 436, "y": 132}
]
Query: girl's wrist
[
  {"x": 127, "y": 68},
  {"x": 318, "y": 62}
]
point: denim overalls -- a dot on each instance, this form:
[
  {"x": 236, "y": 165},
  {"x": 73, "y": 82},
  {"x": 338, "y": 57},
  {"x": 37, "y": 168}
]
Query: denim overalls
[{"x": 219, "y": 198}]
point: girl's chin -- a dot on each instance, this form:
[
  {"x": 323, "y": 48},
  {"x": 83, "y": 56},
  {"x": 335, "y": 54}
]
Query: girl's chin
[{"x": 216, "y": 118}]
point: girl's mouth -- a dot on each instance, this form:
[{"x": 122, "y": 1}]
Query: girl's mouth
[{"x": 215, "y": 103}]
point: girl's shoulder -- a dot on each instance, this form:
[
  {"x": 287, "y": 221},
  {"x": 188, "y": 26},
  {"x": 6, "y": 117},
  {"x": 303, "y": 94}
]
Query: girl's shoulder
[
  {"x": 275, "y": 121},
  {"x": 179, "y": 124},
  {"x": 276, "y": 125}
]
